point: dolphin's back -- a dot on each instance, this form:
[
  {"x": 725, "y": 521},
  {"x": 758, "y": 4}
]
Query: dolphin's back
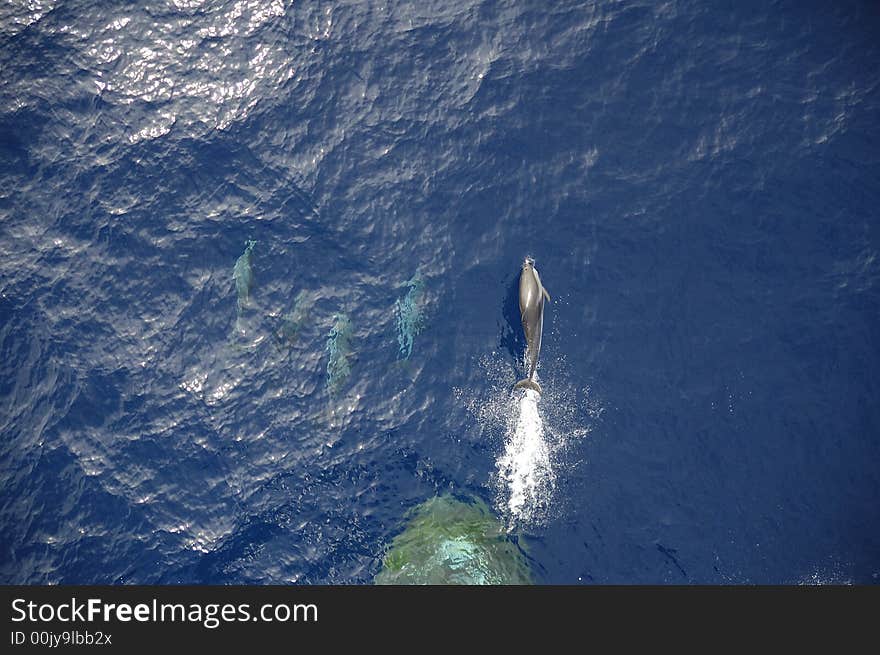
[
  {"x": 531, "y": 307},
  {"x": 529, "y": 290},
  {"x": 533, "y": 322}
]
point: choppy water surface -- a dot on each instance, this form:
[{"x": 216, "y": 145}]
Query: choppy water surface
[{"x": 697, "y": 182}]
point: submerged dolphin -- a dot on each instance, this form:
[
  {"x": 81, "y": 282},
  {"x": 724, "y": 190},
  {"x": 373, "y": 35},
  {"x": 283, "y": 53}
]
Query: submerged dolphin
[
  {"x": 531, "y": 308},
  {"x": 293, "y": 323},
  {"x": 243, "y": 274},
  {"x": 410, "y": 315},
  {"x": 339, "y": 350}
]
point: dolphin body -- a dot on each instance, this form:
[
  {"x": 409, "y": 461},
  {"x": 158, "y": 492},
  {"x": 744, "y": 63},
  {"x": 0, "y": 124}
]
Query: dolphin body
[
  {"x": 531, "y": 308},
  {"x": 243, "y": 274}
]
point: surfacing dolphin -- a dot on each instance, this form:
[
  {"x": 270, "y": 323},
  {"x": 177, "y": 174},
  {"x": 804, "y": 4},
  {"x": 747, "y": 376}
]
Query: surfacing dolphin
[{"x": 531, "y": 308}]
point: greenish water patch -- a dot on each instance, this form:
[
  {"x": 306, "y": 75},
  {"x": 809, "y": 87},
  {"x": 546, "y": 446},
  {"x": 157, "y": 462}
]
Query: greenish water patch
[
  {"x": 453, "y": 541},
  {"x": 410, "y": 315}
]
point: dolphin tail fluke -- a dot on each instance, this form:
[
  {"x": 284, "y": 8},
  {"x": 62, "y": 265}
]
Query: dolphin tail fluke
[{"x": 528, "y": 383}]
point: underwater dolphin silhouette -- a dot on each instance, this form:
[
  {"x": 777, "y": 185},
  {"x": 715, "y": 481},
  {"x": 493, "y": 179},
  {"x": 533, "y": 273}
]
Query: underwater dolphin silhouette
[{"x": 531, "y": 308}]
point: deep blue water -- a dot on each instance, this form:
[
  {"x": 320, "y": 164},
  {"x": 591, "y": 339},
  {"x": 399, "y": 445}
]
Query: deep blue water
[{"x": 698, "y": 183}]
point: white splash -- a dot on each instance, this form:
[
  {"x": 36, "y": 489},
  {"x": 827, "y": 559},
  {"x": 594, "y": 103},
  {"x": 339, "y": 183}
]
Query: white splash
[
  {"x": 525, "y": 466},
  {"x": 535, "y": 435}
]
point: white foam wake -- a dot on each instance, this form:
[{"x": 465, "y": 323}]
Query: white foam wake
[
  {"x": 534, "y": 434},
  {"x": 525, "y": 466}
]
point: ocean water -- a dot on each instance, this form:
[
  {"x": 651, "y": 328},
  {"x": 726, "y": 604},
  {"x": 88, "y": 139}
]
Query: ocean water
[{"x": 698, "y": 183}]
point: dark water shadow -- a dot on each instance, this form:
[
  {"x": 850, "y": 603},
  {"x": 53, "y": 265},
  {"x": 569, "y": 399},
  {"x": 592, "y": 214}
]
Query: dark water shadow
[
  {"x": 211, "y": 568},
  {"x": 512, "y": 338}
]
